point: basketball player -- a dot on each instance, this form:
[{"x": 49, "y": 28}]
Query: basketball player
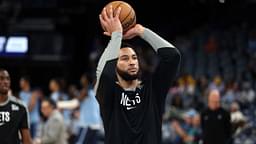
[
  {"x": 13, "y": 115},
  {"x": 132, "y": 109}
]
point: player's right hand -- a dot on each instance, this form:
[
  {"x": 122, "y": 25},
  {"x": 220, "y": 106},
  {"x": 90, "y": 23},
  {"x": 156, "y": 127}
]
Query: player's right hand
[{"x": 110, "y": 22}]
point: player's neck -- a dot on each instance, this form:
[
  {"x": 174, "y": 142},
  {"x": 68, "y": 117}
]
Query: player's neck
[
  {"x": 127, "y": 84},
  {"x": 3, "y": 98}
]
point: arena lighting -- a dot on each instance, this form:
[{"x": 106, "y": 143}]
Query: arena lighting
[
  {"x": 2, "y": 42},
  {"x": 222, "y": 1},
  {"x": 13, "y": 45},
  {"x": 17, "y": 45}
]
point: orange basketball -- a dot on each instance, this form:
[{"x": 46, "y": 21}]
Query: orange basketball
[{"x": 127, "y": 15}]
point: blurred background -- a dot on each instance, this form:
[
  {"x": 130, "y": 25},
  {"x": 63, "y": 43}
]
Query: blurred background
[
  {"x": 61, "y": 35},
  {"x": 62, "y": 39}
]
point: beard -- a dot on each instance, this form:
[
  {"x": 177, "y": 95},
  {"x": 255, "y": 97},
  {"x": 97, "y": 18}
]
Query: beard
[
  {"x": 126, "y": 76},
  {"x": 4, "y": 92}
]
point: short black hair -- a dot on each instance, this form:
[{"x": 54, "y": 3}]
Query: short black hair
[
  {"x": 2, "y": 69},
  {"x": 50, "y": 101},
  {"x": 135, "y": 48},
  {"x": 26, "y": 78},
  {"x": 57, "y": 80},
  {"x": 125, "y": 45}
]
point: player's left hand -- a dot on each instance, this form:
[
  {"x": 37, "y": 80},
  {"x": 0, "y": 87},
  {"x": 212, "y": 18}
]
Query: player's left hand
[{"x": 110, "y": 22}]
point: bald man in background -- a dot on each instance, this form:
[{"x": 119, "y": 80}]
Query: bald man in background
[{"x": 216, "y": 125}]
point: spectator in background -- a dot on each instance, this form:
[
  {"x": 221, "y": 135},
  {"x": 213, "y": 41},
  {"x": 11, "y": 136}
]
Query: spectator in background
[
  {"x": 173, "y": 98},
  {"x": 187, "y": 90},
  {"x": 196, "y": 131},
  {"x": 191, "y": 135},
  {"x": 217, "y": 83},
  {"x": 229, "y": 95},
  {"x": 247, "y": 94},
  {"x": 73, "y": 127},
  {"x": 31, "y": 100},
  {"x": 201, "y": 86},
  {"x": 56, "y": 90},
  {"x": 53, "y": 130},
  {"x": 89, "y": 118},
  {"x": 182, "y": 125},
  {"x": 236, "y": 114},
  {"x": 238, "y": 120},
  {"x": 58, "y": 94},
  {"x": 200, "y": 99},
  {"x": 177, "y": 101},
  {"x": 216, "y": 125}
]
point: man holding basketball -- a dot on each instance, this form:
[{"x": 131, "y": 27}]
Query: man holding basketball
[{"x": 132, "y": 110}]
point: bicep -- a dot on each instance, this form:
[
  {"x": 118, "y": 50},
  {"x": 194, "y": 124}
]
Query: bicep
[
  {"x": 102, "y": 89},
  {"x": 24, "y": 123},
  {"x": 105, "y": 82},
  {"x": 26, "y": 138},
  {"x": 105, "y": 72},
  {"x": 110, "y": 54},
  {"x": 166, "y": 71}
]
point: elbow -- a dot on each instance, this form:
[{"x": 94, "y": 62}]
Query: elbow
[
  {"x": 170, "y": 55},
  {"x": 176, "y": 55}
]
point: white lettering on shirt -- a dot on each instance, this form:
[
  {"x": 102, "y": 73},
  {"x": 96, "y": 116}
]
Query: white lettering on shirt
[
  {"x": 4, "y": 117},
  {"x": 128, "y": 103}
]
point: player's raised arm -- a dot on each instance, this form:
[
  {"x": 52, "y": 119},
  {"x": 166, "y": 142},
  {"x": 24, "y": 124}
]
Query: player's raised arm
[
  {"x": 167, "y": 68},
  {"x": 113, "y": 28}
]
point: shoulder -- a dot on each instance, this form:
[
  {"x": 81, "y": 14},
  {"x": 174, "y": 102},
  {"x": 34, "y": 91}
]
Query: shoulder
[
  {"x": 57, "y": 116},
  {"x": 17, "y": 102},
  {"x": 170, "y": 52}
]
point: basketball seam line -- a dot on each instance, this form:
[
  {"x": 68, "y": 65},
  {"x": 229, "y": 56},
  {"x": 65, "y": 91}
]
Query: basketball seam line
[
  {"x": 117, "y": 6},
  {"x": 127, "y": 15}
]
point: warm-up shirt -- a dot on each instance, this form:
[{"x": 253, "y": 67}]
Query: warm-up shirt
[
  {"x": 216, "y": 126},
  {"x": 135, "y": 116},
  {"x": 13, "y": 118}
]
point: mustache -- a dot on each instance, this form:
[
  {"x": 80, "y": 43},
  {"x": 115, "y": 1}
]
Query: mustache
[{"x": 126, "y": 76}]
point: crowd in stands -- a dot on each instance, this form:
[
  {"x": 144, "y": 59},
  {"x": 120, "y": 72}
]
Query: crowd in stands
[{"x": 214, "y": 58}]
